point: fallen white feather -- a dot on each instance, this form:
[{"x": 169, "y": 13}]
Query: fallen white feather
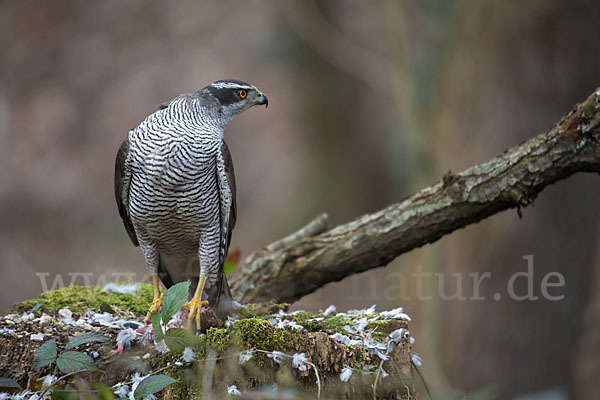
[{"x": 127, "y": 288}]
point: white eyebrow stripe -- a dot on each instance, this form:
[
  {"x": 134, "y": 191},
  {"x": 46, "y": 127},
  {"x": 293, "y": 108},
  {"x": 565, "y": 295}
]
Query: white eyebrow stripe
[{"x": 230, "y": 85}]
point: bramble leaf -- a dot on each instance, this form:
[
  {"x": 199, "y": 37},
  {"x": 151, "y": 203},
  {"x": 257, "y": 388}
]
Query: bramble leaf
[
  {"x": 104, "y": 392},
  {"x": 9, "y": 383},
  {"x": 72, "y": 361},
  {"x": 45, "y": 355},
  {"x": 158, "y": 331},
  {"x": 151, "y": 385},
  {"x": 176, "y": 296},
  {"x": 178, "y": 339}
]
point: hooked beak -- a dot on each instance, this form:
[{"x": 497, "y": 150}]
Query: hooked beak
[{"x": 261, "y": 99}]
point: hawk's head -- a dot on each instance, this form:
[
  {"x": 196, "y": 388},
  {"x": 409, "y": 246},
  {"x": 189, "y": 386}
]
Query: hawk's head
[{"x": 234, "y": 96}]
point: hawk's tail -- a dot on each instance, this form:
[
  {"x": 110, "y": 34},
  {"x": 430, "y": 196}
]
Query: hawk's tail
[{"x": 224, "y": 304}]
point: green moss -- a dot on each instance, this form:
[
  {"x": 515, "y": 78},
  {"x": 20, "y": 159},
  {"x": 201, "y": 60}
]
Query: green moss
[
  {"x": 261, "y": 310},
  {"x": 259, "y": 333},
  {"x": 185, "y": 387},
  {"x": 359, "y": 359},
  {"x": 335, "y": 324},
  {"x": 80, "y": 298},
  {"x": 217, "y": 339}
]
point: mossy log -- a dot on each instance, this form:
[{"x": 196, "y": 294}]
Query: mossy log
[{"x": 260, "y": 329}]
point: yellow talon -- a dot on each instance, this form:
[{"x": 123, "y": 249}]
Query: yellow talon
[
  {"x": 157, "y": 299},
  {"x": 195, "y": 306}
]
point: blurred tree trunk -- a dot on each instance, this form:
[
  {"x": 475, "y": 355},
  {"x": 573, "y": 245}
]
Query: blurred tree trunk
[{"x": 516, "y": 66}]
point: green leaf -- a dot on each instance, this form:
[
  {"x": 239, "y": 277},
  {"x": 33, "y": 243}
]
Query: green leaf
[
  {"x": 104, "y": 392},
  {"x": 9, "y": 383},
  {"x": 68, "y": 394},
  {"x": 175, "y": 297},
  {"x": 72, "y": 361},
  {"x": 151, "y": 385},
  {"x": 158, "y": 331},
  {"x": 86, "y": 338},
  {"x": 105, "y": 307},
  {"x": 232, "y": 260},
  {"x": 178, "y": 339},
  {"x": 45, "y": 355}
]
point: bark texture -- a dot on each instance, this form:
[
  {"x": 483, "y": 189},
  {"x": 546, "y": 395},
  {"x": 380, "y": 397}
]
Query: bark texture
[{"x": 295, "y": 266}]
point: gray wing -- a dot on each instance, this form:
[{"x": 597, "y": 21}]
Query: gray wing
[
  {"x": 219, "y": 295},
  {"x": 227, "y": 192},
  {"x": 122, "y": 179}
]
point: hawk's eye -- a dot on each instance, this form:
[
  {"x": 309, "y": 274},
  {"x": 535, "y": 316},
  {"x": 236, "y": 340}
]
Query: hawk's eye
[{"x": 242, "y": 93}]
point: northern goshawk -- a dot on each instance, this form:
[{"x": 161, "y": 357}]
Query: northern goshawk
[{"x": 175, "y": 190}]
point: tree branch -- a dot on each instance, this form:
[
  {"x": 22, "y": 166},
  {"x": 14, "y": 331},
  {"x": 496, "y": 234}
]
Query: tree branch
[{"x": 303, "y": 262}]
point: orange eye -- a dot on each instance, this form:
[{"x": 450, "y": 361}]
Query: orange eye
[{"x": 242, "y": 94}]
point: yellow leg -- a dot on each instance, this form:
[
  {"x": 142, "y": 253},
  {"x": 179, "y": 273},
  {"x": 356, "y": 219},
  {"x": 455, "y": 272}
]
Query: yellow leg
[
  {"x": 195, "y": 305},
  {"x": 157, "y": 300}
]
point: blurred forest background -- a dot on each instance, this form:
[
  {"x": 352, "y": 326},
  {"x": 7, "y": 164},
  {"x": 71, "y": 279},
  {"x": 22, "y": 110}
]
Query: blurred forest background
[{"x": 369, "y": 102}]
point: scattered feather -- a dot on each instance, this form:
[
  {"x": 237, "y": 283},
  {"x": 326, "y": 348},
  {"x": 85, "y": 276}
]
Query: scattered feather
[
  {"x": 346, "y": 373},
  {"x": 232, "y": 390},
  {"x": 396, "y": 313},
  {"x": 343, "y": 339},
  {"x": 147, "y": 338},
  {"x": 162, "y": 347},
  {"x": 329, "y": 310},
  {"x": 43, "y": 319},
  {"x": 364, "y": 311},
  {"x": 23, "y": 395},
  {"x": 361, "y": 324},
  {"x": 289, "y": 323},
  {"x": 49, "y": 381},
  {"x": 136, "y": 379},
  {"x": 230, "y": 321},
  {"x": 188, "y": 355},
  {"x": 246, "y": 356},
  {"x": 126, "y": 337},
  {"x": 37, "y": 337},
  {"x": 399, "y": 334},
  {"x": 299, "y": 361},
  {"x": 27, "y": 316},
  {"x": 104, "y": 319},
  {"x": 121, "y": 390},
  {"x": 176, "y": 319},
  {"x": 381, "y": 355},
  {"x": 128, "y": 288},
  {"x": 277, "y": 356},
  {"x": 418, "y": 361}
]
